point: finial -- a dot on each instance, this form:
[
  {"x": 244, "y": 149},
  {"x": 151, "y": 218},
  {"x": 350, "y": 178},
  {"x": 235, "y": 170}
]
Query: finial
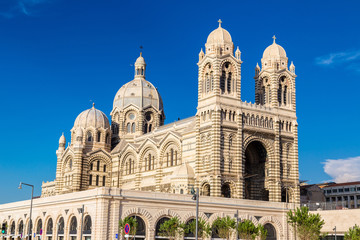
[
  {"x": 219, "y": 22},
  {"x": 93, "y": 104},
  {"x": 62, "y": 133},
  {"x": 274, "y": 38},
  {"x": 141, "y": 47}
]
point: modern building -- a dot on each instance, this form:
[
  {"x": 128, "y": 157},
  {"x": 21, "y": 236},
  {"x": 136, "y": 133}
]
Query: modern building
[
  {"x": 242, "y": 156},
  {"x": 343, "y": 195}
]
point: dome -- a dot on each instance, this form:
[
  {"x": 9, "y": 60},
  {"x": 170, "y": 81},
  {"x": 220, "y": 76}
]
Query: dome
[
  {"x": 274, "y": 51},
  {"x": 219, "y": 36},
  {"x": 92, "y": 118},
  {"x": 140, "y": 60},
  {"x": 140, "y": 93},
  {"x": 184, "y": 171},
  {"x": 62, "y": 139}
]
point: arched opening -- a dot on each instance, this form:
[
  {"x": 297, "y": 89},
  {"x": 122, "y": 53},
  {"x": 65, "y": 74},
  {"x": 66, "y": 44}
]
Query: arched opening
[
  {"x": 159, "y": 234},
  {"x": 140, "y": 230},
  {"x": 73, "y": 228},
  {"x": 205, "y": 190},
  {"x": 38, "y": 229},
  {"x": 271, "y": 232},
  {"x": 49, "y": 229},
  {"x": 89, "y": 137},
  {"x": 12, "y": 228},
  {"x": 21, "y": 228},
  {"x": 87, "y": 228},
  {"x": 189, "y": 235},
  {"x": 255, "y": 172},
  {"x": 226, "y": 190},
  {"x": 285, "y": 194},
  {"x": 98, "y": 136},
  {"x": 60, "y": 229}
]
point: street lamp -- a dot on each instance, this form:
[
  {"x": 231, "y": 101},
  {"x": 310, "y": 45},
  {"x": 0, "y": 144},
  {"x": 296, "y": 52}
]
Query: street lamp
[
  {"x": 32, "y": 194},
  {"x": 81, "y": 210},
  {"x": 335, "y": 231},
  {"x": 196, "y": 197}
]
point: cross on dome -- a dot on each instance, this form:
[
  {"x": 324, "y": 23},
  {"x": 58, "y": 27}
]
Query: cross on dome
[
  {"x": 219, "y": 22},
  {"x": 274, "y": 38}
]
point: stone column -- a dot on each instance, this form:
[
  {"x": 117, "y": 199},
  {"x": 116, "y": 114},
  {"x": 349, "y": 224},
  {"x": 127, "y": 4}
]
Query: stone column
[
  {"x": 239, "y": 158},
  {"x": 216, "y": 135},
  {"x": 274, "y": 171}
]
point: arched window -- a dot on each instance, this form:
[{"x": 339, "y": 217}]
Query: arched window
[
  {"x": 145, "y": 128},
  {"x": 279, "y": 94},
  {"x": 60, "y": 227},
  {"x": 189, "y": 235},
  {"x": 104, "y": 182},
  {"x": 98, "y": 136},
  {"x": 49, "y": 227},
  {"x": 133, "y": 128},
  {"x": 158, "y": 233},
  {"x": 205, "y": 191},
  {"x": 229, "y": 82},
  {"x": 73, "y": 228},
  {"x": 107, "y": 139},
  {"x": 97, "y": 180},
  {"x": 12, "y": 228},
  {"x": 98, "y": 166},
  {"x": 140, "y": 229},
  {"x": 150, "y": 127},
  {"x": 90, "y": 179},
  {"x": 222, "y": 81},
  {"x": 128, "y": 128},
  {"x": 104, "y": 167},
  {"x": 89, "y": 137},
  {"x": 91, "y": 166},
  {"x": 21, "y": 227},
  {"x": 172, "y": 157},
  {"x": 87, "y": 227},
  {"x": 285, "y": 94},
  {"x": 271, "y": 232}
]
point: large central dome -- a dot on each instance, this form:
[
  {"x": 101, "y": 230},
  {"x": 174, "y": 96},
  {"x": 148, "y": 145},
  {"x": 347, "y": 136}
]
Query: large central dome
[{"x": 140, "y": 93}]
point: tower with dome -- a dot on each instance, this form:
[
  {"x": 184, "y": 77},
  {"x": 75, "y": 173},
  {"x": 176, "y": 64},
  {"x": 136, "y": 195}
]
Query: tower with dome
[{"x": 230, "y": 148}]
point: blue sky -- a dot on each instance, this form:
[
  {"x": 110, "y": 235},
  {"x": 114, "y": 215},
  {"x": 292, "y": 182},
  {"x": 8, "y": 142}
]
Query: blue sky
[{"x": 57, "y": 56}]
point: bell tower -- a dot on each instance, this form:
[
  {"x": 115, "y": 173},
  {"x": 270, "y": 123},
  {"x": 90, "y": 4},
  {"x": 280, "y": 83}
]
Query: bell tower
[{"x": 219, "y": 86}]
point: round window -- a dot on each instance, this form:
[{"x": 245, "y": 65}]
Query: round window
[
  {"x": 148, "y": 116},
  {"x": 132, "y": 116}
]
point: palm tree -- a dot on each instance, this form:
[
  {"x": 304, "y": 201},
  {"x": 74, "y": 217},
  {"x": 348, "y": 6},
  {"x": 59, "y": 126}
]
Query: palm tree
[
  {"x": 307, "y": 225},
  {"x": 204, "y": 229},
  {"x": 171, "y": 228},
  {"x": 224, "y": 227},
  {"x": 353, "y": 233}
]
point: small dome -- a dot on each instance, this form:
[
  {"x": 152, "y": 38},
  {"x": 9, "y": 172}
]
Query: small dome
[
  {"x": 140, "y": 60},
  {"x": 274, "y": 51},
  {"x": 219, "y": 36},
  {"x": 92, "y": 118},
  {"x": 140, "y": 93},
  {"x": 62, "y": 139},
  {"x": 184, "y": 171}
]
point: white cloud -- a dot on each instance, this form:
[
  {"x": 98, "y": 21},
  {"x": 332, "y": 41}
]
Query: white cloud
[
  {"x": 339, "y": 58},
  {"x": 11, "y": 8},
  {"x": 343, "y": 170}
]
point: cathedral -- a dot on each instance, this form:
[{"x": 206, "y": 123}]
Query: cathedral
[{"x": 230, "y": 149}]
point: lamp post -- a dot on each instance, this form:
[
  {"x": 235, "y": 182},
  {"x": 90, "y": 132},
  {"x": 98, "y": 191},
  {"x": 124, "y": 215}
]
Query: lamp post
[
  {"x": 335, "y": 231},
  {"x": 196, "y": 197},
  {"x": 81, "y": 210},
  {"x": 32, "y": 194}
]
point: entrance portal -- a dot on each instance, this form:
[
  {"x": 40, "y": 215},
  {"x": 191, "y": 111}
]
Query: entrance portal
[{"x": 255, "y": 161}]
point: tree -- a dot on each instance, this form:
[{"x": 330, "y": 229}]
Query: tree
[
  {"x": 133, "y": 226},
  {"x": 171, "y": 228},
  {"x": 247, "y": 230},
  {"x": 204, "y": 229},
  {"x": 307, "y": 225},
  {"x": 353, "y": 233},
  {"x": 262, "y": 232},
  {"x": 224, "y": 227}
]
